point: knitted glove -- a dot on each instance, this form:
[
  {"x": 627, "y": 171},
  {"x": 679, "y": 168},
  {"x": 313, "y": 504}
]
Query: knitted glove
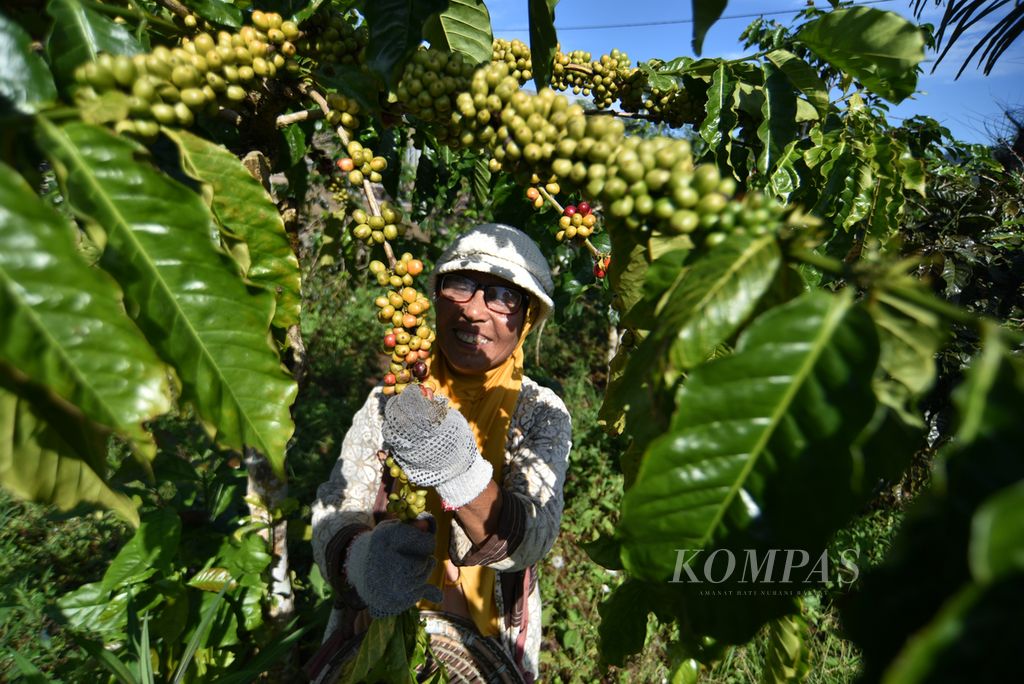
[
  {"x": 435, "y": 447},
  {"x": 389, "y": 566}
]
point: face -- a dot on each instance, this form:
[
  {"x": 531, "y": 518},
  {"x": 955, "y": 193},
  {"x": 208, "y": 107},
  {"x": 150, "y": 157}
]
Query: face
[{"x": 472, "y": 337}]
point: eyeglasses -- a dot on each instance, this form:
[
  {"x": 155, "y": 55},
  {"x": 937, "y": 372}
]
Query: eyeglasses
[{"x": 497, "y": 298}]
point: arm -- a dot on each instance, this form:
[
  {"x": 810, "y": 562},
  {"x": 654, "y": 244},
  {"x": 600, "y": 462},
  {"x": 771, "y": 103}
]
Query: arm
[
  {"x": 514, "y": 526},
  {"x": 344, "y": 503}
]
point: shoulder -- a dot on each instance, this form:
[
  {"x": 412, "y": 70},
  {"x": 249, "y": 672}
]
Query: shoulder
[
  {"x": 539, "y": 403},
  {"x": 371, "y": 413}
]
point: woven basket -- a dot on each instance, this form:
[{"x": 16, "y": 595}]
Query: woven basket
[{"x": 468, "y": 657}]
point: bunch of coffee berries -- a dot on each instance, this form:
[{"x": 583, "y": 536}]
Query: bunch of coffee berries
[
  {"x": 362, "y": 164},
  {"x": 533, "y": 193},
  {"x": 344, "y": 112},
  {"x": 403, "y": 309},
  {"x": 406, "y": 503},
  {"x": 169, "y": 86},
  {"x": 516, "y": 55},
  {"x": 601, "y": 264},
  {"x": 576, "y": 220},
  {"x": 431, "y": 81},
  {"x": 375, "y": 229},
  {"x": 331, "y": 37}
]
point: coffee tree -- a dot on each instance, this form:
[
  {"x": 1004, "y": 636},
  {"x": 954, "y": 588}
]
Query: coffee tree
[{"x": 774, "y": 348}]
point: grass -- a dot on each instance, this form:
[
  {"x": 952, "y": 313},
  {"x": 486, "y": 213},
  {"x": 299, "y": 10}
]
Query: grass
[{"x": 42, "y": 555}]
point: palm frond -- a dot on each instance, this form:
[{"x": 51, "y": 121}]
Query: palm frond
[{"x": 962, "y": 15}]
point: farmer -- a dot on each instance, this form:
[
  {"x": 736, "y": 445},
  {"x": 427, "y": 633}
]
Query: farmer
[{"x": 495, "y": 463}]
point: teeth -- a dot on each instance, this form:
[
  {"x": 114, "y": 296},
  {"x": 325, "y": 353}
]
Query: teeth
[{"x": 470, "y": 338}]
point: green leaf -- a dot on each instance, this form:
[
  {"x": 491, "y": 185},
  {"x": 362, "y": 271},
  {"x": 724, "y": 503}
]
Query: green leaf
[
  {"x": 481, "y": 181},
  {"x": 244, "y": 209},
  {"x": 212, "y": 579},
  {"x": 658, "y": 76},
  {"x": 217, "y": 11},
  {"x": 705, "y": 14},
  {"x": 48, "y": 452},
  {"x": 803, "y": 77},
  {"x": 543, "y": 40},
  {"x": 151, "y": 550},
  {"x": 888, "y": 201},
  {"x": 29, "y": 672},
  {"x": 245, "y": 557},
  {"x": 66, "y": 324},
  {"x": 623, "y": 627},
  {"x": 913, "y": 173},
  {"x": 351, "y": 81},
  {"x": 778, "y": 125},
  {"x": 312, "y": 6},
  {"x": 996, "y": 547},
  {"x": 186, "y": 296},
  {"x": 396, "y": 30},
  {"x": 857, "y": 194},
  {"x": 750, "y": 431},
  {"x": 628, "y": 268},
  {"x": 721, "y": 108},
  {"x": 712, "y": 299},
  {"x": 464, "y": 27},
  {"x": 99, "y": 654},
  {"x": 295, "y": 139},
  {"x": 372, "y": 649},
  {"x": 139, "y": 637},
  {"x": 930, "y": 559},
  {"x": 605, "y": 551},
  {"x": 785, "y": 179},
  {"x": 787, "y": 657},
  {"x": 910, "y": 336},
  {"x": 25, "y": 81},
  {"x": 976, "y": 635},
  {"x": 878, "y": 48},
  {"x": 200, "y": 635},
  {"x": 92, "y": 609},
  {"x": 80, "y": 34}
]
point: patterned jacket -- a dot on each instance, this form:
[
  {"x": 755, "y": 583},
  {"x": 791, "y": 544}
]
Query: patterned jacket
[{"x": 536, "y": 458}]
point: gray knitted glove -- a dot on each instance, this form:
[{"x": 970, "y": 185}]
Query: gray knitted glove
[
  {"x": 389, "y": 566},
  {"x": 435, "y": 446}
]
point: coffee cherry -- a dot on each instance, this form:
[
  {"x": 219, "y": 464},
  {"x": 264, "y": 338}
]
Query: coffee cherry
[
  {"x": 583, "y": 208},
  {"x": 346, "y": 164},
  {"x": 420, "y": 370},
  {"x": 570, "y": 210}
]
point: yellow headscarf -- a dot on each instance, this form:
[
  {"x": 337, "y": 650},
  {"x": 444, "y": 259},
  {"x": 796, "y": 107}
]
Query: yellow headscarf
[{"x": 486, "y": 401}]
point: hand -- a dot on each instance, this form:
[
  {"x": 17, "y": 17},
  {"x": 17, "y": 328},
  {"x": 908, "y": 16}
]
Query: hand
[
  {"x": 435, "y": 447},
  {"x": 389, "y": 566}
]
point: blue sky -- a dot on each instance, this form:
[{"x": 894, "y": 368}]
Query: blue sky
[{"x": 970, "y": 106}]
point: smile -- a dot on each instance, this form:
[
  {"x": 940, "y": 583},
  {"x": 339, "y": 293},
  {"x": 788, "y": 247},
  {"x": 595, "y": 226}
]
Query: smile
[{"x": 471, "y": 338}]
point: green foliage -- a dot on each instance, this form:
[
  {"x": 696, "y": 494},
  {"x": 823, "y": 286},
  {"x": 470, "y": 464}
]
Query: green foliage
[
  {"x": 878, "y": 48},
  {"x": 50, "y": 293},
  {"x": 249, "y": 222},
  {"x": 751, "y": 407},
  {"x": 79, "y": 34},
  {"x": 396, "y": 30},
  {"x": 42, "y": 554},
  {"x": 464, "y": 27},
  {"x": 176, "y": 281},
  {"x": 26, "y": 83},
  {"x": 705, "y": 14},
  {"x": 543, "y": 39},
  {"x": 701, "y": 486},
  {"x": 952, "y": 610}
]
